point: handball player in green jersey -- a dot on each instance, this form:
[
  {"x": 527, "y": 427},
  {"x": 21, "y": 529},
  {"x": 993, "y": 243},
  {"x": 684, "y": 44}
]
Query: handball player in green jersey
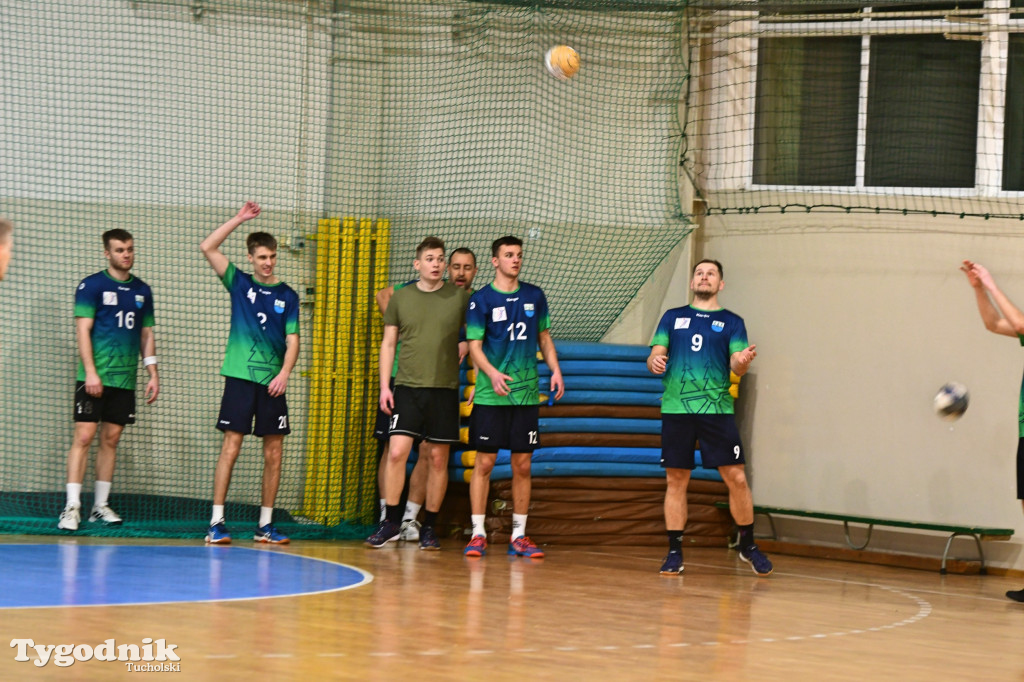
[
  {"x": 1001, "y": 316},
  {"x": 696, "y": 347},
  {"x": 507, "y": 322},
  {"x": 113, "y": 322},
  {"x": 262, "y": 348}
]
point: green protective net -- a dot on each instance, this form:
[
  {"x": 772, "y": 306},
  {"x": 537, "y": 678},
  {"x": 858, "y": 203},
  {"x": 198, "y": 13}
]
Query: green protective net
[
  {"x": 857, "y": 107},
  {"x": 161, "y": 117}
]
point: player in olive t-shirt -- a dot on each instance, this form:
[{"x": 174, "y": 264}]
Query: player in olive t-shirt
[{"x": 424, "y": 404}]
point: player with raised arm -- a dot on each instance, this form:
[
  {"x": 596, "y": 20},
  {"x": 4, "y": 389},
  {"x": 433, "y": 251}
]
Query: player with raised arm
[
  {"x": 506, "y": 323},
  {"x": 262, "y": 348},
  {"x": 1001, "y": 316},
  {"x": 695, "y": 347},
  {"x": 113, "y": 322},
  {"x": 461, "y": 272},
  {"x": 424, "y": 404}
]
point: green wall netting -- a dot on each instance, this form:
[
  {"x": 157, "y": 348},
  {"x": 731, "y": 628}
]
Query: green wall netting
[{"x": 162, "y": 117}]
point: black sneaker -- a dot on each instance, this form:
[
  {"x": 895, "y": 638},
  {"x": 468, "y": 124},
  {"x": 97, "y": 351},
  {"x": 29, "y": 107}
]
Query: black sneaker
[
  {"x": 758, "y": 561},
  {"x": 1016, "y": 595},
  {"x": 673, "y": 564},
  {"x": 428, "y": 539},
  {"x": 386, "y": 532}
]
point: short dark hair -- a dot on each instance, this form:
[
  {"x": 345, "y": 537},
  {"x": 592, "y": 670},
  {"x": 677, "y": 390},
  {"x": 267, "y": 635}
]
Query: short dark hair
[
  {"x": 7, "y": 227},
  {"x": 466, "y": 250},
  {"x": 429, "y": 243},
  {"x": 118, "y": 234},
  {"x": 258, "y": 239},
  {"x": 507, "y": 240},
  {"x": 721, "y": 272}
]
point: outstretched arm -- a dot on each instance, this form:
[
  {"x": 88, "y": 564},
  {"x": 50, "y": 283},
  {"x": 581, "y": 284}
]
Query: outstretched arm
[
  {"x": 211, "y": 245},
  {"x": 1001, "y": 318},
  {"x": 739, "y": 362}
]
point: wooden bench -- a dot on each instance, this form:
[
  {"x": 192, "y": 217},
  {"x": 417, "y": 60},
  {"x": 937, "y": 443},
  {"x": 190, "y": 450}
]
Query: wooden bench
[{"x": 976, "y": 532}]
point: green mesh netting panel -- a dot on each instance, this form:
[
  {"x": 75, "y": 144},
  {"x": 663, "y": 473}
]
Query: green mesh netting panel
[
  {"x": 163, "y": 116},
  {"x": 879, "y": 107}
]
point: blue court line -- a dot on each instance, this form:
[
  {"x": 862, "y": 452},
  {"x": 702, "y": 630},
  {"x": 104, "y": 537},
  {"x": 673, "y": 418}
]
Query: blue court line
[{"x": 39, "y": 576}]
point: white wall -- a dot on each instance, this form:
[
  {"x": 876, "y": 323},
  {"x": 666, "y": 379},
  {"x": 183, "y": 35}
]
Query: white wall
[{"x": 858, "y": 321}]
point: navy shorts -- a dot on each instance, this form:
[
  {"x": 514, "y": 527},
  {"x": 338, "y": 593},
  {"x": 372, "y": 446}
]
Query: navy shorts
[
  {"x": 115, "y": 406},
  {"x": 504, "y": 427},
  {"x": 430, "y": 414},
  {"x": 246, "y": 401},
  {"x": 718, "y": 436},
  {"x": 1020, "y": 469}
]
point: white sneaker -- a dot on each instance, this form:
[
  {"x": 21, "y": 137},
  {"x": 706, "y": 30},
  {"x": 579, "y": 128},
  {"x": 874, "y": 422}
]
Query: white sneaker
[
  {"x": 70, "y": 517},
  {"x": 105, "y": 514},
  {"x": 410, "y": 531}
]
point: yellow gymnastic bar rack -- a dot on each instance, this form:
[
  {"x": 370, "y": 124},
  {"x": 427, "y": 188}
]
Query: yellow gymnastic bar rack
[{"x": 352, "y": 260}]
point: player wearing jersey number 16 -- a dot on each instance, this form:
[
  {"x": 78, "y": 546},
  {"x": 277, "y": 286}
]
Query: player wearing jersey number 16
[{"x": 114, "y": 321}]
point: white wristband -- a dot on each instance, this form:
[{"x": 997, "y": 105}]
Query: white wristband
[{"x": 148, "y": 360}]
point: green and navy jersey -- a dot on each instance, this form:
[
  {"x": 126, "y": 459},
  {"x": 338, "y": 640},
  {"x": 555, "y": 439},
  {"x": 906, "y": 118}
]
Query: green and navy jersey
[
  {"x": 119, "y": 310},
  {"x": 1020, "y": 403},
  {"x": 262, "y": 315},
  {"x": 700, "y": 344},
  {"x": 509, "y": 324}
]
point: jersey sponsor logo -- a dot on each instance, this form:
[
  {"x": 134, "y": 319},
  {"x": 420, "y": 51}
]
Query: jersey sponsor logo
[
  {"x": 717, "y": 326},
  {"x": 81, "y": 286},
  {"x": 121, "y": 288},
  {"x": 528, "y": 309},
  {"x": 499, "y": 314},
  {"x": 702, "y": 315},
  {"x": 139, "y": 300},
  {"x": 511, "y": 300},
  {"x": 682, "y": 323},
  {"x": 109, "y": 298},
  {"x": 278, "y": 305}
]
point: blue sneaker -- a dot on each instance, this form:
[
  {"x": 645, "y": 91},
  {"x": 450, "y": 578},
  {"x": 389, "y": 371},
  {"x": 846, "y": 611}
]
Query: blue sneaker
[
  {"x": 428, "y": 539},
  {"x": 524, "y": 547},
  {"x": 673, "y": 564},
  {"x": 477, "y": 546},
  {"x": 386, "y": 532},
  {"x": 270, "y": 535},
  {"x": 758, "y": 561},
  {"x": 218, "y": 534}
]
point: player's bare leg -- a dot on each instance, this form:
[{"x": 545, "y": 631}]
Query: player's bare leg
[{"x": 741, "y": 504}]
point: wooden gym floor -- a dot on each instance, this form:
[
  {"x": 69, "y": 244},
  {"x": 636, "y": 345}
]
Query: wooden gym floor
[{"x": 579, "y": 614}]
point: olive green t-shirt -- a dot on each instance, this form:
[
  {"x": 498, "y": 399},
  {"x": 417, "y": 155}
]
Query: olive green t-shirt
[{"x": 428, "y": 324}]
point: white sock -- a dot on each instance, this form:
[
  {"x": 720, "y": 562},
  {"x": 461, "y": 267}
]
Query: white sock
[
  {"x": 478, "y": 524},
  {"x": 518, "y": 526},
  {"x": 102, "y": 493},
  {"x": 218, "y": 514},
  {"x": 383, "y": 508},
  {"x": 412, "y": 510},
  {"x": 75, "y": 494},
  {"x": 266, "y": 513}
]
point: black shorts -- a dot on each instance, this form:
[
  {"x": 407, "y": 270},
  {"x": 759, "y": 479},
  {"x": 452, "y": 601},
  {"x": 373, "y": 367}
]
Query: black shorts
[
  {"x": 430, "y": 414},
  {"x": 1020, "y": 469},
  {"x": 245, "y": 401},
  {"x": 504, "y": 427},
  {"x": 719, "y": 440},
  {"x": 115, "y": 406},
  {"x": 383, "y": 423}
]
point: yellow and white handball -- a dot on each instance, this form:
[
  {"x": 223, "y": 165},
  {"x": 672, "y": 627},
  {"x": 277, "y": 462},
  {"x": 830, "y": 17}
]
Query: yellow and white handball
[{"x": 562, "y": 62}]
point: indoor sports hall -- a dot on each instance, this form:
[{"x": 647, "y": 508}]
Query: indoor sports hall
[{"x": 840, "y": 160}]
